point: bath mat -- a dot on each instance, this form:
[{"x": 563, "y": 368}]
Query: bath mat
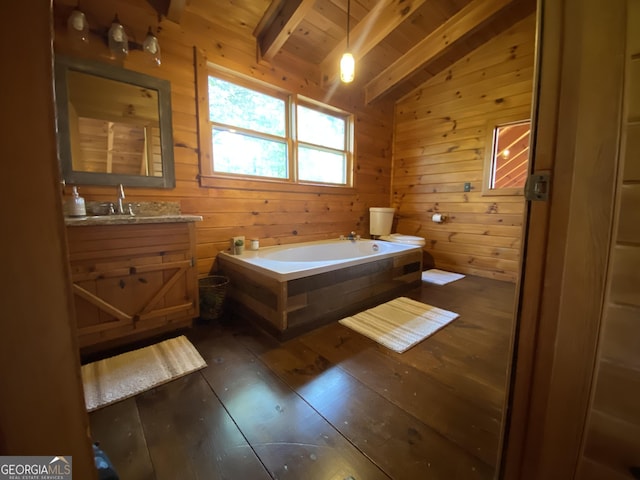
[
  {"x": 400, "y": 323},
  {"x": 117, "y": 378},
  {"x": 440, "y": 277}
]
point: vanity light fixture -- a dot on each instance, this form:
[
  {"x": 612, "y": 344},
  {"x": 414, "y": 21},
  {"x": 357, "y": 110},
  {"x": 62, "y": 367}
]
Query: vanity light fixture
[
  {"x": 116, "y": 37},
  {"x": 78, "y": 26},
  {"x": 347, "y": 62},
  {"x": 152, "y": 47}
]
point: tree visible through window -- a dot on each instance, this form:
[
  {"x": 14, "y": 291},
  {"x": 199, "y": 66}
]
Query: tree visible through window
[
  {"x": 322, "y": 147},
  {"x": 256, "y": 132},
  {"x": 248, "y": 131}
]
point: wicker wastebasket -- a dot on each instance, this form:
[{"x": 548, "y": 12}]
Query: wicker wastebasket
[{"x": 213, "y": 290}]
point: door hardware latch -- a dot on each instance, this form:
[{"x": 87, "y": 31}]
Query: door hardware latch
[{"x": 538, "y": 186}]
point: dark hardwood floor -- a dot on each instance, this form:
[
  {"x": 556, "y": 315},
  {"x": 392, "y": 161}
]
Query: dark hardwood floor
[{"x": 330, "y": 404}]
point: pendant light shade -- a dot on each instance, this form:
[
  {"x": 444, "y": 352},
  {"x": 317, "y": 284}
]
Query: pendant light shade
[
  {"x": 117, "y": 38},
  {"x": 77, "y": 26},
  {"x": 347, "y": 62},
  {"x": 152, "y": 47},
  {"x": 347, "y": 67}
]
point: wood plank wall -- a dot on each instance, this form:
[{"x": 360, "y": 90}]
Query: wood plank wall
[
  {"x": 272, "y": 216},
  {"x": 613, "y": 425},
  {"x": 440, "y": 135}
]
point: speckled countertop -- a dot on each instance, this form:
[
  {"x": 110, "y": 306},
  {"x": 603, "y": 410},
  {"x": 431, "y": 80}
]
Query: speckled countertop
[
  {"x": 128, "y": 220},
  {"x": 144, "y": 212}
]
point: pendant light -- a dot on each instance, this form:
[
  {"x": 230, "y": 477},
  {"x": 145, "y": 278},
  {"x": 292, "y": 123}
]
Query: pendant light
[{"x": 347, "y": 62}]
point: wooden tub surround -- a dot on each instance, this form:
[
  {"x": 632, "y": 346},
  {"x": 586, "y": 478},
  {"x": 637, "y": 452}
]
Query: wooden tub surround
[
  {"x": 133, "y": 277},
  {"x": 288, "y": 306}
]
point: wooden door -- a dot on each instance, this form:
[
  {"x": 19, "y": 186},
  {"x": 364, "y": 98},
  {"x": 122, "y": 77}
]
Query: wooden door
[
  {"x": 568, "y": 251},
  {"x": 42, "y": 409}
]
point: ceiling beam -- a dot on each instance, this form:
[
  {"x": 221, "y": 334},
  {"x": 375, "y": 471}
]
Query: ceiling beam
[
  {"x": 175, "y": 10},
  {"x": 463, "y": 22},
  {"x": 278, "y": 23},
  {"x": 383, "y": 18}
]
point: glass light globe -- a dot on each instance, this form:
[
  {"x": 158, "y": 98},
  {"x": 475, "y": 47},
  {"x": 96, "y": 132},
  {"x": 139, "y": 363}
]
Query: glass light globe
[
  {"x": 152, "y": 47},
  {"x": 347, "y": 68},
  {"x": 118, "y": 40},
  {"x": 77, "y": 26}
]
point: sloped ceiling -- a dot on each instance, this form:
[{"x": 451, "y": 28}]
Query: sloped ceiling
[{"x": 397, "y": 44}]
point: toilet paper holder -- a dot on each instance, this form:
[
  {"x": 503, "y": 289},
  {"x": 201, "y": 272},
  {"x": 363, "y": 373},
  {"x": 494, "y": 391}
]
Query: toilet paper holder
[{"x": 438, "y": 218}]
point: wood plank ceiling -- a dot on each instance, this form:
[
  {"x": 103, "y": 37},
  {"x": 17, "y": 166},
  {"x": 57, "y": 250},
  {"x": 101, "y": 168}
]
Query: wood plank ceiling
[{"x": 397, "y": 44}]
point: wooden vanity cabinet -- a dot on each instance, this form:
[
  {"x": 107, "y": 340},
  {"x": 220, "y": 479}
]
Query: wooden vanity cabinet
[{"x": 132, "y": 281}]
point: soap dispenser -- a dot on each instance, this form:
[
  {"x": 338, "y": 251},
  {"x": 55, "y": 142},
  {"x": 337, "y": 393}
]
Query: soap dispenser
[{"x": 75, "y": 205}]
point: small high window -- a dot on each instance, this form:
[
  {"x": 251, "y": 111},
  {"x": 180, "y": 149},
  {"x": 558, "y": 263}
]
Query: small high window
[
  {"x": 258, "y": 132},
  {"x": 507, "y": 158}
]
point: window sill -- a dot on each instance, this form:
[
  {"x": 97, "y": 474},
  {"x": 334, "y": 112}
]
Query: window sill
[
  {"x": 268, "y": 185},
  {"x": 503, "y": 192}
]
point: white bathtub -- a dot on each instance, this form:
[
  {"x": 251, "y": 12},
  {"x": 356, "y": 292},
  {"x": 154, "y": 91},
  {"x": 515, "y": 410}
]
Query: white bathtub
[{"x": 288, "y": 262}]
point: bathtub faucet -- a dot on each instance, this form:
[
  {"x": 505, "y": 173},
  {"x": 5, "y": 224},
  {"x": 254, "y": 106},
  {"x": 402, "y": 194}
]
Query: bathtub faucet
[{"x": 353, "y": 237}]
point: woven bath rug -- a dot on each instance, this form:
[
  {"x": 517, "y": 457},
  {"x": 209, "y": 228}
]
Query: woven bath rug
[
  {"x": 399, "y": 324},
  {"x": 117, "y": 378},
  {"x": 440, "y": 277}
]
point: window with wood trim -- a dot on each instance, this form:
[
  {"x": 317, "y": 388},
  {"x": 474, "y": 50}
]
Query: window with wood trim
[
  {"x": 507, "y": 157},
  {"x": 257, "y": 132}
]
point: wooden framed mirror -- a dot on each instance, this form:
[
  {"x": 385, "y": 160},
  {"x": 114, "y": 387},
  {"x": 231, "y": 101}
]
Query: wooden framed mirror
[{"x": 114, "y": 125}]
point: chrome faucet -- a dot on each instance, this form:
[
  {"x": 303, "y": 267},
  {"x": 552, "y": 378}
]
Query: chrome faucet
[
  {"x": 119, "y": 204},
  {"x": 352, "y": 236}
]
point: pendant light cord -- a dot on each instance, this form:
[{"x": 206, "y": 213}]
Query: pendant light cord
[{"x": 348, "y": 21}]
